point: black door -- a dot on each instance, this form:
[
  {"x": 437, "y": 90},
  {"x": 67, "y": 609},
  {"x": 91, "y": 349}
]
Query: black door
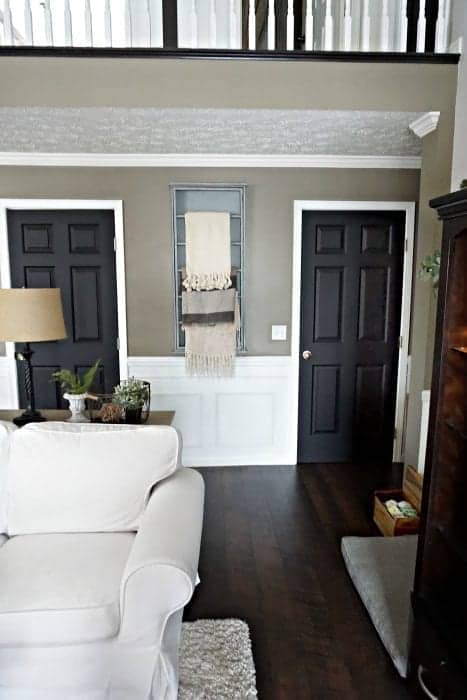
[
  {"x": 72, "y": 250},
  {"x": 350, "y": 315}
]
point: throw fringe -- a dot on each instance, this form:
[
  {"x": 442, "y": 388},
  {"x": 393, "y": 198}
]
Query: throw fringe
[
  {"x": 214, "y": 280},
  {"x": 198, "y": 365}
]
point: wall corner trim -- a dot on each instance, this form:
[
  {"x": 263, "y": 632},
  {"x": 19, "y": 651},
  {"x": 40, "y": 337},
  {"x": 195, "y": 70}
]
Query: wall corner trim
[{"x": 425, "y": 124}]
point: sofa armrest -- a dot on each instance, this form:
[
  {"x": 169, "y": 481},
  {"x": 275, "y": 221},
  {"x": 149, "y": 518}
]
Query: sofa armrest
[{"x": 160, "y": 574}]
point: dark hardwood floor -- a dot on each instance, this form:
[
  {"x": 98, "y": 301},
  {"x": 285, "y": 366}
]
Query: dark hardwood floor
[{"x": 271, "y": 556}]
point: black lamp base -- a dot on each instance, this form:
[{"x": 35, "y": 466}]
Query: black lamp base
[{"x": 29, "y": 416}]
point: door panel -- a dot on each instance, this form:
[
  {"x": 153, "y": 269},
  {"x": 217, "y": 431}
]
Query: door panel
[
  {"x": 325, "y": 399},
  {"x": 350, "y": 315},
  {"x": 328, "y": 304},
  {"x": 72, "y": 250}
]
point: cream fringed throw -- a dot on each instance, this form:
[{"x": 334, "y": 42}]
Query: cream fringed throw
[
  {"x": 210, "y": 349},
  {"x": 207, "y": 237}
]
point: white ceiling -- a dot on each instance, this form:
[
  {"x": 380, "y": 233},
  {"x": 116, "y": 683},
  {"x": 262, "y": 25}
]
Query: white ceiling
[{"x": 259, "y": 131}]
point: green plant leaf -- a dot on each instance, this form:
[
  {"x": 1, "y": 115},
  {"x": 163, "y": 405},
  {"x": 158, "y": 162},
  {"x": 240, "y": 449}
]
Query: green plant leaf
[
  {"x": 73, "y": 383},
  {"x": 88, "y": 377}
]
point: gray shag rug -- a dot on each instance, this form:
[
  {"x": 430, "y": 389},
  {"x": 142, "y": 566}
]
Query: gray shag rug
[
  {"x": 216, "y": 661},
  {"x": 382, "y": 570}
]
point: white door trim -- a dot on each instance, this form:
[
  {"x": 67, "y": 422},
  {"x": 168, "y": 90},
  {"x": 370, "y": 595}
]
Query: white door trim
[
  {"x": 403, "y": 365},
  {"x": 114, "y": 205}
]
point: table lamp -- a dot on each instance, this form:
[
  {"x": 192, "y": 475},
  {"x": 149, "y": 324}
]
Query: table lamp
[{"x": 30, "y": 316}]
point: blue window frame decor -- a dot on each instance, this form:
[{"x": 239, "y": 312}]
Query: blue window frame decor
[{"x": 216, "y": 197}]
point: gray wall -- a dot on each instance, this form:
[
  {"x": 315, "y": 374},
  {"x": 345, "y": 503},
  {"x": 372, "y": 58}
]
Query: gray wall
[
  {"x": 266, "y": 84},
  {"x": 148, "y": 235},
  {"x": 63, "y": 82}
]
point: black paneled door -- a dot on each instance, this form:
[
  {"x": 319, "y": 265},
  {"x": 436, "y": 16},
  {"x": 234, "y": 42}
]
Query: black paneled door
[
  {"x": 72, "y": 250},
  {"x": 350, "y": 317}
]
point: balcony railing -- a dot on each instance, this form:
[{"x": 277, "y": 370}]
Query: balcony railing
[{"x": 255, "y": 25}]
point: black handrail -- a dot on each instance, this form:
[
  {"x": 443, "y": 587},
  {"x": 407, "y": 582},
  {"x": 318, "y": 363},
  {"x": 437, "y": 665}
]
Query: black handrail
[{"x": 229, "y": 54}]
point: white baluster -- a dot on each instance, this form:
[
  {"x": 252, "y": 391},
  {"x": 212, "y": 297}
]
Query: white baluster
[
  {"x": 403, "y": 26},
  {"x": 148, "y": 23},
  {"x": 251, "y": 25},
  {"x": 193, "y": 25},
  {"x": 447, "y": 17},
  {"x": 28, "y": 27},
  {"x": 347, "y": 26},
  {"x": 440, "y": 28},
  {"x": 212, "y": 24},
  {"x": 290, "y": 26},
  {"x": 309, "y": 25},
  {"x": 155, "y": 14},
  {"x": 8, "y": 37},
  {"x": 67, "y": 23},
  {"x": 271, "y": 25},
  {"x": 108, "y": 23},
  {"x": 328, "y": 27},
  {"x": 234, "y": 25},
  {"x": 49, "y": 37},
  {"x": 384, "y": 39},
  {"x": 421, "y": 28},
  {"x": 365, "y": 27},
  {"x": 128, "y": 28},
  {"x": 88, "y": 22}
]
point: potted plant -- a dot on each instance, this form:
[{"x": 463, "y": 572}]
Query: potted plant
[
  {"x": 133, "y": 395},
  {"x": 429, "y": 268},
  {"x": 76, "y": 389}
]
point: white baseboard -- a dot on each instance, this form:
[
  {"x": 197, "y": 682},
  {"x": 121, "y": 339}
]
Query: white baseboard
[{"x": 237, "y": 421}]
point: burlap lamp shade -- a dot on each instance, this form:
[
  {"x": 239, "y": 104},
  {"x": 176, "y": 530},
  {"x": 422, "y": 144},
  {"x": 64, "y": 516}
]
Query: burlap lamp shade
[{"x": 31, "y": 315}]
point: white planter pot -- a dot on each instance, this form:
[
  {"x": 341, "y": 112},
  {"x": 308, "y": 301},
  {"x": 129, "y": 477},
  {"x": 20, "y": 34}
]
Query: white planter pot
[{"x": 77, "y": 407}]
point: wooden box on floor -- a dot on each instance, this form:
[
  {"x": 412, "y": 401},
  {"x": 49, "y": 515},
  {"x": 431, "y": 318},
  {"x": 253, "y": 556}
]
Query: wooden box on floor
[
  {"x": 413, "y": 486},
  {"x": 411, "y": 491}
]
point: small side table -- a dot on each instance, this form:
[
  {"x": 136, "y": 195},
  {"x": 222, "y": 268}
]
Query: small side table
[{"x": 155, "y": 417}]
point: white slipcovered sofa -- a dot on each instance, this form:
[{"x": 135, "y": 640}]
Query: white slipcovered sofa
[{"x": 99, "y": 556}]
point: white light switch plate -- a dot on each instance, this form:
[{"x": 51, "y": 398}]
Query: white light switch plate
[{"x": 278, "y": 332}]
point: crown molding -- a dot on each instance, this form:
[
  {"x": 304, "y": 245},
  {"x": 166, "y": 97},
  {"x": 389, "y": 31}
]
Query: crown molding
[
  {"x": 206, "y": 160},
  {"x": 425, "y": 124}
]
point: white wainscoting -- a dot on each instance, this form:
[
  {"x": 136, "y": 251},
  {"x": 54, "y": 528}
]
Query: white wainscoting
[
  {"x": 8, "y": 386},
  {"x": 241, "y": 420},
  {"x": 247, "y": 419}
]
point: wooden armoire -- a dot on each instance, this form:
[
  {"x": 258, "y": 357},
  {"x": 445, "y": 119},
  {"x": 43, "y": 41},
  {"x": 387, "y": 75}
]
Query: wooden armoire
[{"x": 438, "y": 656}]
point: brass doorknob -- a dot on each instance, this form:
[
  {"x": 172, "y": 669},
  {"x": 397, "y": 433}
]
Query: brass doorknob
[{"x": 306, "y": 354}]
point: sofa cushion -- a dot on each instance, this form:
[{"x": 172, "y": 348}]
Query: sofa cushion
[
  {"x": 61, "y": 589},
  {"x": 72, "y": 478}
]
